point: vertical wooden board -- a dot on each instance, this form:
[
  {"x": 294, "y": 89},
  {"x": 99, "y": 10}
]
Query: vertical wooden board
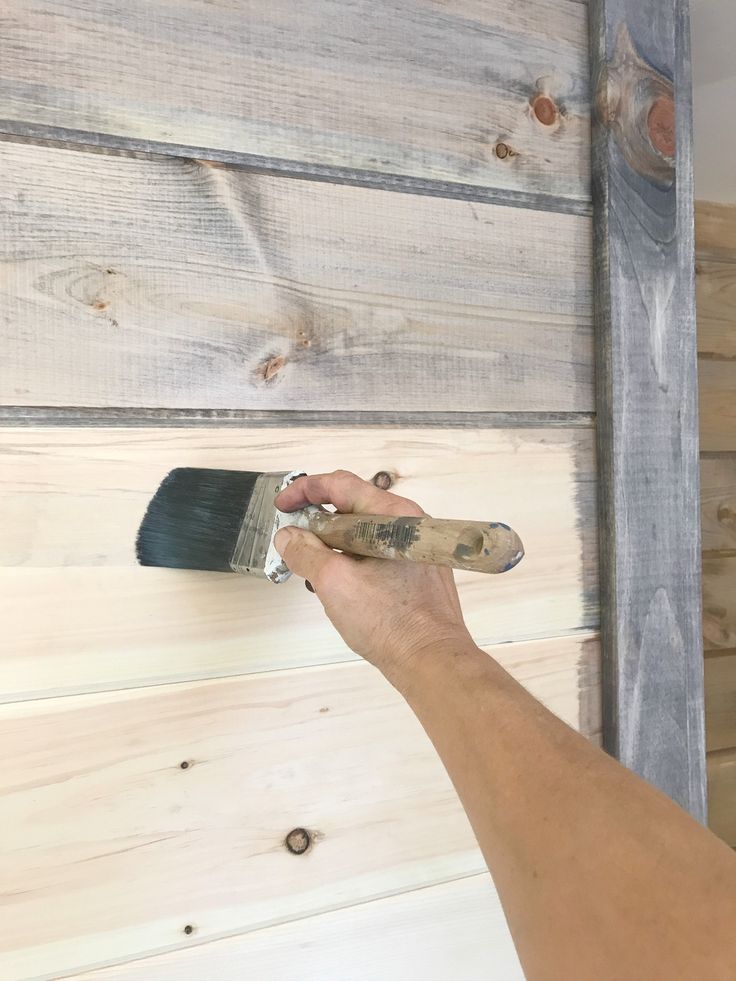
[
  {"x": 454, "y": 930},
  {"x": 171, "y": 283},
  {"x": 722, "y": 795},
  {"x": 646, "y": 379},
  {"x": 720, "y": 701},
  {"x": 717, "y": 380},
  {"x": 71, "y": 501},
  {"x": 95, "y": 799},
  {"x": 419, "y": 89},
  {"x": 716, "y": 308},
  {"x": 715, "y": 230},
  {"x": 719, "y": 602},
  {"x": 718, "y": 503}
]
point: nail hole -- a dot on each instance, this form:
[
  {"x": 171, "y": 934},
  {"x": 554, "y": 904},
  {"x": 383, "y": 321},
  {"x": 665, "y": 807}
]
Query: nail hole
[
  {"x": 298, "y": 841},
  {"x": 188, "y": 929},
  {"x": 184, "y": 765}
]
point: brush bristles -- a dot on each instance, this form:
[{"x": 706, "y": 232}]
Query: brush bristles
[{"x": 194, "y": 519}]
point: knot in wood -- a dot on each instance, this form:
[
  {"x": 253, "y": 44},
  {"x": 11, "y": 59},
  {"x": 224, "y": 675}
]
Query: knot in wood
[
  {"x": 502, "y": 151},
  {"x": 298, "y": 841},
  {"x": 544, "y": 109},
  {"x": 383, "y": 480},
  {"x": 661, "y": 125}
]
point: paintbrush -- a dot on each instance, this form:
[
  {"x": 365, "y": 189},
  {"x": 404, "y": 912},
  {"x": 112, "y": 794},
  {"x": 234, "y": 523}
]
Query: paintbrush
[{"x": 226, "y": 520}]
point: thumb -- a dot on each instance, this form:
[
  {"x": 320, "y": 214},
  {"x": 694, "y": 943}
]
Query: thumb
[{"x": 303, "y": 552}]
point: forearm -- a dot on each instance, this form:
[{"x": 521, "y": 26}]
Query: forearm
[{"x": 599, "y": 874}]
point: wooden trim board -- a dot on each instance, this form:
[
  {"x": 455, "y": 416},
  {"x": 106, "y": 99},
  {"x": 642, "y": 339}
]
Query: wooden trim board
[
  {"x": 331, "y": 749},
  {"x": 73, "y": 499},
  {"x": 646, "y": 381},
  {"x": 138, "y": 283},
  {"x": 430, "y": 92}
]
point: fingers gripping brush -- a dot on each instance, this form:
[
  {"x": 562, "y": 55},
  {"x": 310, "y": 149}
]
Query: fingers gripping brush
[{"x": 226, "y": 520}]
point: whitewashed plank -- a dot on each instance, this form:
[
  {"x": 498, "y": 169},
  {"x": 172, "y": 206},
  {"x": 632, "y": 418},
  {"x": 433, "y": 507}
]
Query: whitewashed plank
[
  {"x": 110, "y": 848},
  {"x": 426, "y": 88},
  {"x": 454, "y": 930},
  {"x": 78, "y": 613},
  {"x": 176, "y": 284}
]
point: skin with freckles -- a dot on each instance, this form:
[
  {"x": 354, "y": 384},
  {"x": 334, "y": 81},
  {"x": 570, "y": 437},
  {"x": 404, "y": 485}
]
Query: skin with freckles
[{"x": 601, "y": 876}]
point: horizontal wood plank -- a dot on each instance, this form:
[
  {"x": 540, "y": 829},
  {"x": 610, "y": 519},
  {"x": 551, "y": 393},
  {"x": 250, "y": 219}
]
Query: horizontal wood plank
[
  {"x": 719, "y": 602},
  {"x": 424, "y": 88},
  {"x": 453, "y": 930},
  {"x": 720, "y": 701},
  {"x": 715, "y": 285},
  {"x": 715, "y": 230},
  {"x": 95, "y": 798},
  {"x": 718, "y": 503},
  {"x": 140, "y": 283},
  {"x": 722, "y": 795},
  {"x": 717, "y": 385},
  {"x": 71, "y": 501}
]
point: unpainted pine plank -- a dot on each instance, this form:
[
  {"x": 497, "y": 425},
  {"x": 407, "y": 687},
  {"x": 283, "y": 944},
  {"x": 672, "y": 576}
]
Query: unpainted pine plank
[
  {"x": 717, "y": 387},
  {"x": 719, "y": 602},
  {"x": 95, "y": 798},
  {"x": 720, "y": 701},
  {"x": 71, "y": 501},
  {"x": 424, "y": 89},
  {"x": 722, "y": 795},
  {"x": 453, "y": 930},
  {"x": 715, "y": 230},
  {"x": 646, "y": 363},
  {"x": 715, "y": 300},
  {"x": 141, "y": 283},
  {"x": 718, "y": 503}
]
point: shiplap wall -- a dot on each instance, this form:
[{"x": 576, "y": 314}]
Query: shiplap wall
[
  {"x": 715, "y": 240},
  {"x": 266, "y": 235}
]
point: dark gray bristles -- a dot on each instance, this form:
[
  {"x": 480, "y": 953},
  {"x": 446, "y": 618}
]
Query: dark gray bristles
[{"x": 194, "y": 519}]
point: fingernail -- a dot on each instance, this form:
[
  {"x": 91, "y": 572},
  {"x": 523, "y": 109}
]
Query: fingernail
[
  {"x": 309, "y": 586},
  {"x": 281, "y": 539}
]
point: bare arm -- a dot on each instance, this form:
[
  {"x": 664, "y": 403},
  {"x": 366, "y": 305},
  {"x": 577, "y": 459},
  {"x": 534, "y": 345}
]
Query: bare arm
[{"x": 600, "y": 875}]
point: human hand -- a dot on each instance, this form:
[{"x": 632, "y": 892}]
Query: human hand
[{"x": 387, "y": 611}]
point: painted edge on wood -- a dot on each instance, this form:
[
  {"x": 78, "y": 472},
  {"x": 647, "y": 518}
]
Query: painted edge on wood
[
  {"x": 71, "y": 139},
  {"x": 21, "y": 415},
  {"x": 653, "y": 715}
]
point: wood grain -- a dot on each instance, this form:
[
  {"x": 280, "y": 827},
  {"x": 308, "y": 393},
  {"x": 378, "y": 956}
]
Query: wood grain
[
  {"x": 719, "y": 602},
  {"x": 722, "y": 795},
  {"x": 646, "y": 382},
  {"x": 177, "y": 284},
  {"x": 95, "y": 798},
  {"x": 453, "y": 930},
  {"x": 427, "y": 89},
  {"x": 71, "y": 501},
  {"x": 718, "y": 504},
  {"x": 715, "y": 230},
  {"x": 717, "y": 385},
  {"x": 715, "y": 284},
  {"x": 720, "y": 701}
]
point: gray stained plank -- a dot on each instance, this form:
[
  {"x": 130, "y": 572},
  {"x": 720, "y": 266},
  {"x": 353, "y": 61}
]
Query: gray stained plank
[
  {"x": 646, "y": 377},
  {"x": 176, "y": 284},
  {"x": 482, "y": 93}
]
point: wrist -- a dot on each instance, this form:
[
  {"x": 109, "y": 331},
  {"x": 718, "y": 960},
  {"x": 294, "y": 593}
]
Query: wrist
[{"x": 422, "y": 662}]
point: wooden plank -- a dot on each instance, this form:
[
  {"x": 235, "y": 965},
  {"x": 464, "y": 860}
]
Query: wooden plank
[
  {"x": 454, "y": 930},
  {"x": 71, "y": 501},
  {"x": 481, "y": 93},
  {"x": 719, "y": 602},
  {"x": 720, "y": 701},
  {"x": 722, "y": 795},
  {"x": 95, "y": 798},
  {"x": 177, "y": 284},
  {"x": 717, "y": 382},
  {"x": 718, "y": 503},
  {"x": 715, "y": 230},
  {"x": 646, "y": 379},
  {"x": 715, "y": 284}
]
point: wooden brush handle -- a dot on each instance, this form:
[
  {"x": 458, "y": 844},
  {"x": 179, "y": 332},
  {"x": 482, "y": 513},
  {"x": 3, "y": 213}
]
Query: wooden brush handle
[{"x": 476, "y": 545}]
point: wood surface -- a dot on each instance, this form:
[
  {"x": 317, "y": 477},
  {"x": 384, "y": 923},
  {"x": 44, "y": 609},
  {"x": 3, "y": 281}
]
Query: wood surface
[
  {"x": 453, "y": 930},
  {"x": 722, "y": 795},
  {"x": 715, "y": 291},
  {"x": 718, "y": 504},
  {"x": 715, "y": 230},
  {"x": 173, "y": 283},
  {"x": 72, "y": 499},
  {"x": 115, "y": 847},
  {"x": 720, "y": 701},
  {"x": 719, "y": 602},
  {"x": 646, "y": 384},
  {"x": 717, "y": 381},
  {"x": 485, "y": 94}
]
